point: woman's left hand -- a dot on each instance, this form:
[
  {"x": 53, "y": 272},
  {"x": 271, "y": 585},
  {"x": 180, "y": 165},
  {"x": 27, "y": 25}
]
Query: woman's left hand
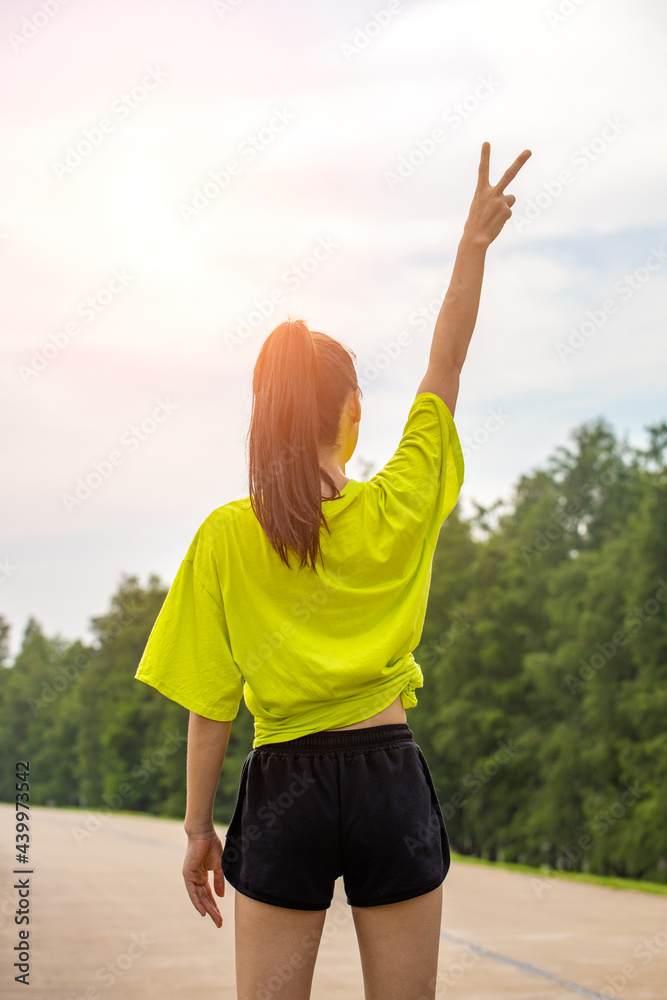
[{"x": 203, "y": 854}]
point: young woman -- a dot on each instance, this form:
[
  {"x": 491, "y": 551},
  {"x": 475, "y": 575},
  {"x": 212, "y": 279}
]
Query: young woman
[{"x": 307, "y": 599}]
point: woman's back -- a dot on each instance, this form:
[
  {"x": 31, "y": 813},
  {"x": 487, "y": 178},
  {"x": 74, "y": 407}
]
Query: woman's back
[{"x": 315, "y": 652}]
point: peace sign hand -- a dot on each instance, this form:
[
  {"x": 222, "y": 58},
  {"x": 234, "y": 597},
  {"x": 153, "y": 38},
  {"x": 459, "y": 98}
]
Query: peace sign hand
[{"x": 491, "y": 208}]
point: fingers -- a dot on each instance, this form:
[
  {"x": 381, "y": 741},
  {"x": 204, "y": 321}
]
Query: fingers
[
  {"x": 484, "y": 164},
  {"x": 210, "y": 905},
  {"x": 219, "y": 881},
  {"x": 203, "y": 901},
  {"x": 512, "y": 171}
]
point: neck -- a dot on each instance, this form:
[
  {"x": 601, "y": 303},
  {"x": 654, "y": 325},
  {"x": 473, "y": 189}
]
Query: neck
[{"x": 339, "y": 479}]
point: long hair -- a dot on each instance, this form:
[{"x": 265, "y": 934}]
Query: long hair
[{"x": 300, "y": 383}]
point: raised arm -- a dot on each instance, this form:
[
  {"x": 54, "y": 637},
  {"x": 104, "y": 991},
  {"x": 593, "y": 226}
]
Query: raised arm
[{"x": 489, "y": 211}]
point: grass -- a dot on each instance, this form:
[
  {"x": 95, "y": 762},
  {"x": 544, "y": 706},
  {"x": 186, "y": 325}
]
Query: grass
[{"x": 608, "y": 880}]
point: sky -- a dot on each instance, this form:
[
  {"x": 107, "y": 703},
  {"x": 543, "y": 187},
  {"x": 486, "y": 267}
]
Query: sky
[{"x": 179, "y": 177}]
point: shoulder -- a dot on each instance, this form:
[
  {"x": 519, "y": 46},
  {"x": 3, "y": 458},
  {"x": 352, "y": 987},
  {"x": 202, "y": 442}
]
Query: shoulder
[
  {"x": 430, "y": 402},
  {"x": 227, "y": 513},
  {"x": 216, "y": 525}
]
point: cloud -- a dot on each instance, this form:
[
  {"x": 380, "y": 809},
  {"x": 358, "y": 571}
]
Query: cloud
[{"x": 552, "y": 87}]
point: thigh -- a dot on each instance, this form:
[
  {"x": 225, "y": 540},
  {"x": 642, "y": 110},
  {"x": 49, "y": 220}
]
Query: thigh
[
  {"x": 276, "y": 949},
  {"x": 399, "y": 945},
  {"x": 395, "y": 843}
]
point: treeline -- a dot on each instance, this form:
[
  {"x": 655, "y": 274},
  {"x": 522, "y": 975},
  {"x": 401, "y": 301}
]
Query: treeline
[{"x": 544, "y": 709}]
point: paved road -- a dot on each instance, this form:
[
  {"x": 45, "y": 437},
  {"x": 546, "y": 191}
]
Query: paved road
[{"x": 110, "y": 915}]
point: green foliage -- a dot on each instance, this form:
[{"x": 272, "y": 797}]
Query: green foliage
[
  {"x": 544, "y": 654},
  {"x": 94, "y": 735}
]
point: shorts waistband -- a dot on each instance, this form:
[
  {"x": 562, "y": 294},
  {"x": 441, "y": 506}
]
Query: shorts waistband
[{"x": 370, "y": 736}]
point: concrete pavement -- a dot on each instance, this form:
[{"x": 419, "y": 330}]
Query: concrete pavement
[{"x": 110, "y": 918}]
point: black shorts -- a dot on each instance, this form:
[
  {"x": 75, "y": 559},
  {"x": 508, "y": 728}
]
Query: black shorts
[{"x": 359, "y": 803}]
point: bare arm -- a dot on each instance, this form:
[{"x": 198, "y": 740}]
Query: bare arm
[
  {"x": 489, "y": 211},
  {"x": 207, "y": 746}
]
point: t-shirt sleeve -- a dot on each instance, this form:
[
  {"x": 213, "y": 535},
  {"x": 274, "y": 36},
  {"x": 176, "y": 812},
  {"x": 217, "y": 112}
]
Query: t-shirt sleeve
[
  {"x": 188, "y": 657},
  {"x": 424, "y": 476}
]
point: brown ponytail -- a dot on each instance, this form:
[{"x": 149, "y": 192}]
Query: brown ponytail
[{"x": 300, "y": 383}]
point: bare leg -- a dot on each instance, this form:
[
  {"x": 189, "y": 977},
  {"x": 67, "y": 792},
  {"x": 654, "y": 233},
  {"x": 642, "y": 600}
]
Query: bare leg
[
  {"x": 398, "y": 945},
  {"x": 276, "y": 949}
]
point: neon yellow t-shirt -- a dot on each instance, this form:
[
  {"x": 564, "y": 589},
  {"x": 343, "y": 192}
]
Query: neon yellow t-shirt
[{"x": 311, "y": 652}]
